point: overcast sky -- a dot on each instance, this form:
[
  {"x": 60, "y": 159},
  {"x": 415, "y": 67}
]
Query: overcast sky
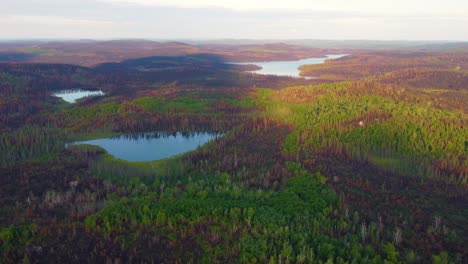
[{"x": 253, "y": 19}]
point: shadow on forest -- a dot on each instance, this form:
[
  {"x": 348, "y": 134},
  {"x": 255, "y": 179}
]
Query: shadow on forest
[
  {"x": 198, "y": 69},
  {"x": 16, "y": 56}
]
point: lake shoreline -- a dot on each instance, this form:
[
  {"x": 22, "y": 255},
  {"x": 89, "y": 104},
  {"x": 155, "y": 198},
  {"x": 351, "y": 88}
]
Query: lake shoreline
[{"x": 288, "y": 68}]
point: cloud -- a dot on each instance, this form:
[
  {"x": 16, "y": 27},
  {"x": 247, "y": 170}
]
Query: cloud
[
  {"x": 205, "y": 19},
  {"x": 36, "y": 26},
  {"x": 228, "y": 4},
  {"x": 50, "y": 21},
  {"x": 448, "y": 7}
]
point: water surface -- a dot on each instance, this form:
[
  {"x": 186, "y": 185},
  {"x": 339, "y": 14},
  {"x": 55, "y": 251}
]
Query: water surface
[
  {"x": 72, "y": 95},
  {"x": 152, "y": 146},
  {"x": 288, "y": 68}
]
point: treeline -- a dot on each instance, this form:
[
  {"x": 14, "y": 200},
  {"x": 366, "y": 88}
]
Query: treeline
[
  {"x": 205, "y": 217},
  {"x": 368, "y": 64},
  {"x": 30, "y": 142},
  {"x": 41, "y": 79},
  {"x": 454, "y": 79},
  {"x": 374, "y": 127},
  {"x": 153, "y": 113},
  {"x": 251, "y": 153},
  {"x": 54, "y": 188},
  {"x": 397, "y": 161}
]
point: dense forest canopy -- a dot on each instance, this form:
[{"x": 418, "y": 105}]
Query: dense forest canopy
[{"x": 367, "y": 163}]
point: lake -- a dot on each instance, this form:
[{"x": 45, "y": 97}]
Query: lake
[
  {"x": 288, "y": 68},
  {"x": 152, "y": 146},
  {"x": 72, "y": 95}
]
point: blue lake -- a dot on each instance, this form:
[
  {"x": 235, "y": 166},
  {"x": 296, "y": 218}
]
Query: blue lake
[
  {"x": 72, "y": 95},
  {"x": 287, "y": 68},
  {"x": 152, "y": 146}
]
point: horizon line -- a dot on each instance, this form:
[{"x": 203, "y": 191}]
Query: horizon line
[{"x": 226, "y": 39}]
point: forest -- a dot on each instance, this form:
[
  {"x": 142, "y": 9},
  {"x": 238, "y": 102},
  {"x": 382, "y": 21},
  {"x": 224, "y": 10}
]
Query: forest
[{"x": 366, "y": 163}]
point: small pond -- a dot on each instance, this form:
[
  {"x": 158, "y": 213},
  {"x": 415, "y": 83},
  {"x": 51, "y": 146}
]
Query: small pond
[
  {"x": 72, "y": 95},
  {"x": 152, "y": 146}
]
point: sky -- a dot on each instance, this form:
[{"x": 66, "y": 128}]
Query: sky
[{"x": 235, "y": 19}]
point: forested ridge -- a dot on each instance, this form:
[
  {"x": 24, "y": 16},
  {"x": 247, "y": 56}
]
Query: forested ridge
[{"x": 367, "y": 164}]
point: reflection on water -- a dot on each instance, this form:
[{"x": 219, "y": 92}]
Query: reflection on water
[
  {"x": 152, "y": 146},
  {"x": 288, "y": 68},
  {"x": 72, "y": 95}
]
